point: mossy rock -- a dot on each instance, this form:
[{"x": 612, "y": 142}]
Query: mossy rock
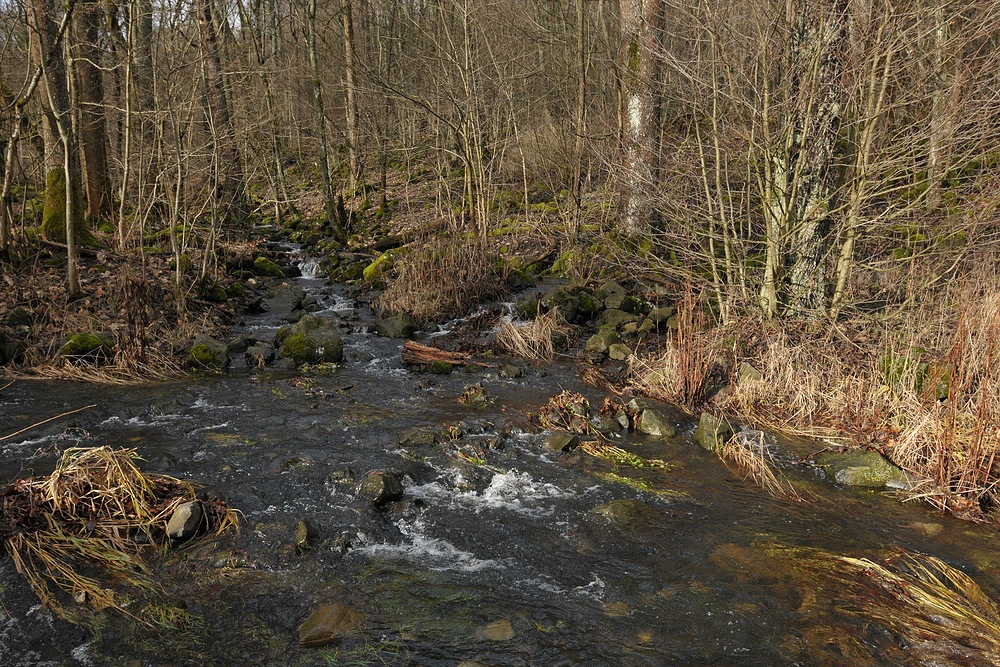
[
  {"x": 262, "y": 266},
  {"x": 374, "y": 273},
  {"x": 213, "y": 292},
  {"x": 10, "y": 350},
  {"x": 208, "y": 353},
  {"x": 862, "y": 469},
  {"x": 311, "y": 340},
  {"x": 439, "y": 367},
  {"x": 655, "y": 423},
  {"x": 615, "y": 318},
  {"x": 601, "y": 341},
  {"x": 612, "y": 294},
  {"x": 635, "y": 306},
  {"x": 557, "y": 297},
  {"x": 712, "y": 431},
  {"x": 527, "y": 308},
  {"x": 88, "y": 345}
]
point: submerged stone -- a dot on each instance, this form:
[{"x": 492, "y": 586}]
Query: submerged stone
[
  {"x": 862, "y": 469},
  {"x": 380, "y": 487},
  {"x": 622, "y": 512},
  {"x": 416, "y": 437},
  {"x": 305, "y": 534},
  {"x": 329, "y": 622},
  {"x": 497, "y": 631},
  {"x": 712, "y": 431}
]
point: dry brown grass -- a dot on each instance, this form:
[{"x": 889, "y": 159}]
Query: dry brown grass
[
  {"x": 681, "y": 372},
  {"x": 444, "y": 277},
  {"x": 532, "y": 339},
  {"x": 74, "y": 535},
  {"x": 748, "y": 456},
  {"x": 920, "y": 385}
]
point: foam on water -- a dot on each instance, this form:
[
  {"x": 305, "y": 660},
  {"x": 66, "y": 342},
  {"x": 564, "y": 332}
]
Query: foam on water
[
  {"x": 433, "y": 552},
  {"x": 511, "y": 491},
  {"x": 310, "y": 269}
]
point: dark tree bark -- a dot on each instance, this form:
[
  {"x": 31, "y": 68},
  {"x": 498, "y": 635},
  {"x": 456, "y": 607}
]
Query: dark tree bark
[
  {"x": 93, "y": 125},
  {"x": 227, "y": 177}
]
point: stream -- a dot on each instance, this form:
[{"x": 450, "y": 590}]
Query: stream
[{"x": 494, "y": 557}]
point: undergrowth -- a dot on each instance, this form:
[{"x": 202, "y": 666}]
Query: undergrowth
[{"x": 443, "y": 277}]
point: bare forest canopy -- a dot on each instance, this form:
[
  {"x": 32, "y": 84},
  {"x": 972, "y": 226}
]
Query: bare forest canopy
[{"x": 794, "y": 157}]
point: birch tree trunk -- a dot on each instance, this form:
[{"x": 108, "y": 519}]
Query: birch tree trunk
[
  {"x": 640, "y": 31},
  {"x": 350, "y": 92}
]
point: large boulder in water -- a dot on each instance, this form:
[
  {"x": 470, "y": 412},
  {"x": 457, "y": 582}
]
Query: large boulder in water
[
  {"x": 311, "y": 340},
  {"x": 380, "y": 487},
  {"x": 397, "y": 326},
  {"x": 207, "y": 352},
  {"x": 284, "y": 299}
]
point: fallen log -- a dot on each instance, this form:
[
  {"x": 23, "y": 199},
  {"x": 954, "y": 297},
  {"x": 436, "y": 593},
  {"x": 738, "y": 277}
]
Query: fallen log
[{"x": 415, "y": 353}]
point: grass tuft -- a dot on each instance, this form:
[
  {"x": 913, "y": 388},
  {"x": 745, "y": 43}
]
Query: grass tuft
[
  {"x": 74, "y": 535},
  {"x": 532, "y": 339}
]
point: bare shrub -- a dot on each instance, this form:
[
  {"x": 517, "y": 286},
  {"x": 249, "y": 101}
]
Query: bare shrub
[
  {"x": 920, "y": 387},
  {"x": 681, "y": 373},
  {"x": 444, "y": 277}
]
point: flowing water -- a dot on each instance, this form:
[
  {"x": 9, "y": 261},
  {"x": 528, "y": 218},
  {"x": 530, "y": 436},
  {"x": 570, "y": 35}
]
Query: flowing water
[{"x": 494, "y": 556}]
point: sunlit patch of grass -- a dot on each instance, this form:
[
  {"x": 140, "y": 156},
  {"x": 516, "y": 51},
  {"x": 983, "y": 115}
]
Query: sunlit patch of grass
[
  {"x": 618, "y": 456},
  {"x": 640, "y": 485}
]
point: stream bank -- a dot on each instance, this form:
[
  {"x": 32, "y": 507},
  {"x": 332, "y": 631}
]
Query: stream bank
[{"x": 498, "y": 549}]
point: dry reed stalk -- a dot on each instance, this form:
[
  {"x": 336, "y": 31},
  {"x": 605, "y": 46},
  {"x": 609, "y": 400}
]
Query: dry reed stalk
[
  {"x": 749, "y": 457},
  {"x": 123, "y": 370},
  {"x": 532, "y": 339},
  {"x": 938, "y": 611}
]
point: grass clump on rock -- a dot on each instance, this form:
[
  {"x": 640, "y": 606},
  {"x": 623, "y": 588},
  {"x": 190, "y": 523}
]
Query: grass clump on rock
[{"x": 77, "y": 534}]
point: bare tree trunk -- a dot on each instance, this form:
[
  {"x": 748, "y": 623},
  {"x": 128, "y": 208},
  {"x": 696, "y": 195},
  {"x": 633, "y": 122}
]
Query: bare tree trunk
[
  {"x": 227, "y": 176},
  {"x": 580, "y": 124},
  {"x": 329, "y": 202},
  {"x": 821, "y": 48},
  {"x": 351, "y": 93},
  {"x": 640, "y": 27},
  {"x": 93, "y": 131},
  {"x": 62, "y": 217}
]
